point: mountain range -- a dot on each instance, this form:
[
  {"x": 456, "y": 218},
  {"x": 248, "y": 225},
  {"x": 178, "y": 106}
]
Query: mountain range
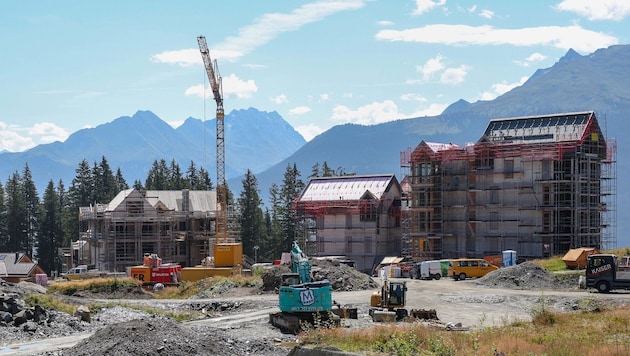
[{"x": 266, "y": 144}]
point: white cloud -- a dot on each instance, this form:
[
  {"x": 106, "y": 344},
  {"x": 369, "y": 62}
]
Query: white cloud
[
  {"x": 433, "y": 110},
  {"x": 486, "y": 14},
  {"x": 309, "y": 131},
  {"x": 263, "y": 30},
  {"x": 501, "y": 88},
  {"x": 385, "y": 23},
  {"x": 374, "y": 113},
  {"x": 412, "y": 97},
  {"x": 232, "y": 86},
  {"x": 532, "y": 58},
  {"x": 323, "y": 97},
  {"x": 458, "y": 35},
  {"x": 431, "y": 67},
  {"x": 454, "y": 76},
  {"x": 299, "y": 110},
  {"x": 473, "y": 9},
  {"x": 189, "y": 57},
  {"x": 615, "y": 10},
  {"x": 423, "y": 6},
  {"x": 175, "y": 124},
  {"x": 280, "y": 99},
  {"x": 269, "y": 26},
  {"x": 16, "y": 138},
  {"x": 347, "y": 95}
]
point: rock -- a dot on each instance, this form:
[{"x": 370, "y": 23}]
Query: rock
[
  {"x": 30, "y": 327},
  {"x": 27, "y": 288},
  {"x": 158, "y": 287},
  {"x": 6, "y": 316},
  {"x": 19, "y": 318},
  {"x": 83, "y": 313}
]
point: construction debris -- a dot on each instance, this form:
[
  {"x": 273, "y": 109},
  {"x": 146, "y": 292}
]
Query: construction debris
[{"x": 341, "y": 276}]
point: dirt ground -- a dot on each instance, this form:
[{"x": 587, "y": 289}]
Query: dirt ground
[{"x": 234, "y": 321}]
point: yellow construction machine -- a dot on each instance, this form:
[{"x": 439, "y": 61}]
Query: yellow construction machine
[{"x": 389, "y": 303}]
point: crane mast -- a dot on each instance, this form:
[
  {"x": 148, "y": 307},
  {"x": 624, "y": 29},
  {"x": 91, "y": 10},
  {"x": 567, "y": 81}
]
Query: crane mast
[{"x": 215, "y": 83}]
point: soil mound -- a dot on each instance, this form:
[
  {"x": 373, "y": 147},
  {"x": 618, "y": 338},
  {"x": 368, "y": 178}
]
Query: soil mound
[
  {"x": 341, "y": 276},
  {"x": 527, "y": 275},
  {"x": 152, "y": 336}
]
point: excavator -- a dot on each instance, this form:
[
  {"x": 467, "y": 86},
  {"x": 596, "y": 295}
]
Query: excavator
[{"x": 302, "y": 300}]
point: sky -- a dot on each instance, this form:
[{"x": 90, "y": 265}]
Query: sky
[{"x": 67, "y": 65}]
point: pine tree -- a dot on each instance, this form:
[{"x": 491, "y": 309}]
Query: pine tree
[
  {"x": 50, "y": 235},
  {"x": 253, "y": 232},
  {"x": 327, "y": 171},
  {"x": 176, "y": 180},
  {"x": 315, "y": 170},
  {"x": 17, "y": 220},
  {"x": 31, "y": 199},
  {"x": 276, "y": 238},
  {"x": 106, "y": 186},
  {"x": 121, "y": 184},
  {"x": 3, "y": 220},
  {"x": 80, "y": 193},
  {"x": 158, "y": 176},
  {"x": 291, "y": 187}
]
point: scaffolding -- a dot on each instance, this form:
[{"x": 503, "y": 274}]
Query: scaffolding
[
  {"x": 349, "y": 216},
  {"x": 538, "y": 185},
  {"x": 121, "y": 233}
]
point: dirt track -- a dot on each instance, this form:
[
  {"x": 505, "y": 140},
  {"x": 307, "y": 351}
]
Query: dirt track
[{"x": 245, "y": 326}]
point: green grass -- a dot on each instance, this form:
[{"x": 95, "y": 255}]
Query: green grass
[{"x": 592, "y": 330}]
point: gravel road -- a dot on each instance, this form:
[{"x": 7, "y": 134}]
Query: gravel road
[{"x": 238, "y": 320}]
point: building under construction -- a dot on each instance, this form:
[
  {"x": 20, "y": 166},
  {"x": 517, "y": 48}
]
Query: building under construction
[
  {"x": 356, "y": 217},
  {"x": 538, "y": 185},
  {"x": 177, "y": 225}
]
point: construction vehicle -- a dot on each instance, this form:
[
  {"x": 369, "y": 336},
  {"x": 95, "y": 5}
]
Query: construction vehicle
[
  {"x": 389, "y": 303},
  {"x": 87, "y": 272},
  {"x": 302, "y": 300},
  {"x": 153, "y": 271},
  {"x": 603, "y": 273}
]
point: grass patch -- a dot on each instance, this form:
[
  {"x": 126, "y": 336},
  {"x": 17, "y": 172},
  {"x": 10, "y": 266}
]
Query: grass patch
[
  {"x": 188, "y": 289},
  {"x": 552, "y": 264},
  {"x": 585, "y": 332},
  {"x": 95, "y": 285}
]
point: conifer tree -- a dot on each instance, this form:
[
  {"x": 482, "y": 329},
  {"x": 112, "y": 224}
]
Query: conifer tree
[
  {"x": 253, "y": 232},
  {"x": 50, "y": 235}
]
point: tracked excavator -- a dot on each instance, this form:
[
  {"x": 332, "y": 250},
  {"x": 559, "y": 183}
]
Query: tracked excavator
[{"x": 302, "y": 300}]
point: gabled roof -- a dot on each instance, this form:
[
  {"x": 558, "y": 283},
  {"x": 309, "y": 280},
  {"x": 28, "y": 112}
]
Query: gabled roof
[
  {"x": 540, "y": 129},
  {"x": 14, "y": 264},
  {"x": 199, "y": 200},
  {"x": 347, "y": 187}
]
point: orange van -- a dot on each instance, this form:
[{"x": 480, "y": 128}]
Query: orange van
[{"x": 463, "y": 268}]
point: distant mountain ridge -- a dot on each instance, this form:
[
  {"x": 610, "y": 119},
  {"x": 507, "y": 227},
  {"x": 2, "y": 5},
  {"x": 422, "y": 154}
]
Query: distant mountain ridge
[
  {"x": 255, "y": 140},
  {"x": 266, "y": 144}
]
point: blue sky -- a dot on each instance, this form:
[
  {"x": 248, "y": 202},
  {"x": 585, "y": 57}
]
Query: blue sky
[{"x": 66, "y": 65}]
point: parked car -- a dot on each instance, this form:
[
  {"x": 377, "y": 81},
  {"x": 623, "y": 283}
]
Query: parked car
[{"x": 463, "y": 268}]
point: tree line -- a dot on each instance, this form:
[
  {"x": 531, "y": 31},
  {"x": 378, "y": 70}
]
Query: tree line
[{"x": 40, "y": 227}]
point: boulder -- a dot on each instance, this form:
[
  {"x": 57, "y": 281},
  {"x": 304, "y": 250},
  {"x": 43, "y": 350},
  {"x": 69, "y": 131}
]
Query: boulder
[{"x": 83, "y": 313}]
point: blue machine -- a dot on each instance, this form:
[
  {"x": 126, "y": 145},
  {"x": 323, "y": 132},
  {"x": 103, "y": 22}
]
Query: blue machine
[{"x": 301, "y": 299}]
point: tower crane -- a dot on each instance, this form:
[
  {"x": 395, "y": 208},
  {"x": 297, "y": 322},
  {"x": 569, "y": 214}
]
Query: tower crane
[{"x": 217, "y": 90}]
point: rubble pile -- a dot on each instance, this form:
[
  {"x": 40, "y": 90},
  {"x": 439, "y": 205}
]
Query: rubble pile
[
  {"x": 527, "y": 275},
  {"x": 13, "y": 312},
  {"x": 341, "y": 276}
]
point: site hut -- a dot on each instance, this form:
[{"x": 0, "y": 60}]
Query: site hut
[
  {"x": 177, "y": 225},
  {"x": 539, "y": 185},
  {"x": 356, "y": 216}
]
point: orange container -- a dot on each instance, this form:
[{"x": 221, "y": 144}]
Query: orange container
[{"x": 228, "y": 254}]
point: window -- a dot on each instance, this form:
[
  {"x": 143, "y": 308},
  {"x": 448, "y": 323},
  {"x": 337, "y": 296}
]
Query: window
[
  {"x": 494, "y": 221},
  {"x": 509, "y": 168}
]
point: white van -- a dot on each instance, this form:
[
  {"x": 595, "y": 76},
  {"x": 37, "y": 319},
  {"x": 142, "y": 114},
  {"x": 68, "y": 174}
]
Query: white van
[{"x": 435, "y": 269}]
